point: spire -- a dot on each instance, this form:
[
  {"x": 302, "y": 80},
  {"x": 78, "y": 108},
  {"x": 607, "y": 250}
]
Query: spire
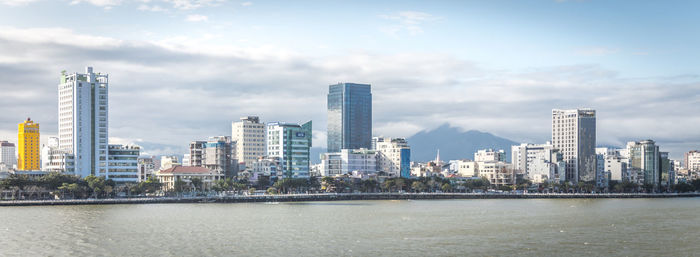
[{"x": 437, "y": 159}]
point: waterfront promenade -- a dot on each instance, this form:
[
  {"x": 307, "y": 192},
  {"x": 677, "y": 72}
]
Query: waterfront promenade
[{"x": 339, "y": 197}]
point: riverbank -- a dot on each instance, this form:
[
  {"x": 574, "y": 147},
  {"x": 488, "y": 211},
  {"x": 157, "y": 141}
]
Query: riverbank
[{"x": 334, "y": 197}]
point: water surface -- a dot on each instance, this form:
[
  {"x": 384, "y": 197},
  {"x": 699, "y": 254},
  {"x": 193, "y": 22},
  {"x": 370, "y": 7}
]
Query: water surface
[{"x": 532, "y": 227}]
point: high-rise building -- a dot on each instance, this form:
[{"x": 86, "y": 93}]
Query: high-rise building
[
  {"x": 539, "y": 163},
  {"x": 644, "y": 157},
  {"x": 218, "y": 156},
  {"x": 291, "y": 143},
  {"x": 349, "y": 116},
  {"x": 28, "y": 157},
  {"x": 83, "y": 120},
  {"x": 574, "y": 134},
  {"x": 249, "y": 138},
  {"x": 394, "y": 156},
  {"x": 7, "y": 154},
  {"x": 123, "y": 163},
  {"x": 196, "y": 155}
]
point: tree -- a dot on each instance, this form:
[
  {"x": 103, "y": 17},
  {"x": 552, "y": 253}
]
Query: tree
[
  {"x": 446, "y": 187},
  {"x": 272, "y": 190},
  {"x": 96, "y": 185},
  {"x": 196, "y": 184},
  {"x": 418, "y": 186},
  {"x": 179, "y": 185}
]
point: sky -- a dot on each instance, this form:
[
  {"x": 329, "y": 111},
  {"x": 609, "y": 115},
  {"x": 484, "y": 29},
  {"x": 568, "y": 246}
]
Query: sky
[{"x": 183, "y": 70}]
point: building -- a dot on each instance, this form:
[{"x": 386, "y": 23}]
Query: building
[
  {"x": 248, "y": 134},
  {"x": 538, "y": 162},
  {"x": 146, "y": 166},
  {"x": 169, "y": 161},
  {"x": 498, "y": 173},
  {"x": 218, "y": 156},
  {"x": 467, "y": 169},
  {"x": 55, "y": 159},
  {"x": 613, "y": 164},
  {"x": 28, "y": 156},
  {"x": 574, "y": 134},
  {"x": 644, "y": 157},
  {"x": 83, "y": 120},
  {"x": 490, "y": 155},
  {"x": 691, "y": 161},
  {"x": 349, "y": 160},
  {"x": 349, "y": 116},
  {"x": 168, "y": 177},
  {"x": 668, "y": 174},
  {"x": 122, "y": 163},
  {"x": 394, "y": 156},
  {"x": 7, "y": 154},
  {"x": 196, "y": 155},
  {"x": 291, "y": 143}
]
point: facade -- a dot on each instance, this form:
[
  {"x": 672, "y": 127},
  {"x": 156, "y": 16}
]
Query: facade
[
  {"x": 122, "y": 163},
  {"x": 167, "y": 162},
  {"x": 498, "y": 173},
  {"x": 28, "y": 156},
  {"x": 83, "y": 120},
  {"x": 467, "y": 169},
  {"x": 146, "y": 166},
  {"x": 394, "y": 156},
  {"x": 7, "y": 154},
  {"x": 196, "y": 155},
  {"x": 349, "y": 116},
  {"x": 249, "y": 138},
  {"x": 291, "y": 143},
  {"x": 691, "y": 161},
  {"x": 218, "y": 156},
  {"x": 490, "y": 155},
  {"x": 348, "y": 161},
  {"x": 574, "y": 134},
  {"x": 55, "y": 159},
  {"x": 539, "y": 163},
  {"x": 644, "y": 157},
  {"x": 186, "y": 174},
  {"x": 613, "y": 164}
]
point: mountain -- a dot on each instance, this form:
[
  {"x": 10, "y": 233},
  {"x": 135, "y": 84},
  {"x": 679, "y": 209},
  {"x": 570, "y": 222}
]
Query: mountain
[{"x": 454, "y": 144}]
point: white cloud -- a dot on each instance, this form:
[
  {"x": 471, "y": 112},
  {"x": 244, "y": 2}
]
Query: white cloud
[
  {"x": 16, "y": 2},
  {"x": 193, "y": 4},
  {"x": 153, "y": 8},
  {"x": 196, "y": 18},
  {"x": 408, "y": 21},
  {"x": 100, "y": 3},
  {"x": 246, "y": 3}
]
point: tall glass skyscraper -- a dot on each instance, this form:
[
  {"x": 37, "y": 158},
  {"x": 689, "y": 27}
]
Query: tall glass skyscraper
[{"x": 349, "y": 116}]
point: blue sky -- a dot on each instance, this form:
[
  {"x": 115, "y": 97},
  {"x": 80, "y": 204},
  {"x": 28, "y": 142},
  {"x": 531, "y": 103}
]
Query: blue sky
[{"x": 495, "y": 66}]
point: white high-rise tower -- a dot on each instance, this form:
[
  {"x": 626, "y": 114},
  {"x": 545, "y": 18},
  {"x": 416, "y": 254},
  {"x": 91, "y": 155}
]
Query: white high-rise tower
[
  {"x": 573, "y": 133},
  {"x": 249, "y": 137},
  {"x": 82, "y": 120}
]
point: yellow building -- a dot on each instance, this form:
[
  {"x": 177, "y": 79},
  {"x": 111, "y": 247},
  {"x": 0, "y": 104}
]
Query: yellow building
[{"x": 28, "y": 146}]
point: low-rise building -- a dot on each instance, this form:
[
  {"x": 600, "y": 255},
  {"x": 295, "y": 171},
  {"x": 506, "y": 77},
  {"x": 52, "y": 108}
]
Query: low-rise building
[
  {"x": 498, "y": 173},
  {"x": 538, "y": 162},
  {"x": 169, "y": 161},
  {"x": 147, "y": 166},
  {"x": 490, "y": 155},
  {"x": 168, "y": 177},
  {"x": 394, "y": 156},
  {"x": 467, "y": 168},
  {"x": 348, "y": 160}
]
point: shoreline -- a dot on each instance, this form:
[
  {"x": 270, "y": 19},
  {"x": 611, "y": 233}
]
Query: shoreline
[{"x": 336, "y": 197}]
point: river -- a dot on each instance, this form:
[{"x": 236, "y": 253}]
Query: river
[{"x": 495, "y": 227}]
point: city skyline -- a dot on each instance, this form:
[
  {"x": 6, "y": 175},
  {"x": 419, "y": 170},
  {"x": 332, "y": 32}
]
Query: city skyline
[{"x": 420, "y": 80}]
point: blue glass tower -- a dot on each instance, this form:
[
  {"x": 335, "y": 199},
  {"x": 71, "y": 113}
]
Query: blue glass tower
[{"x": 349, "y": 116}]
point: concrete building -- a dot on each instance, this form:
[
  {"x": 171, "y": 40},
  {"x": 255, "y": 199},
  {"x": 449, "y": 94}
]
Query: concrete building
[
  {"x": 7, "y": 154},
  {"x": 195, "y": 157},
  {"x": 291, "y": 143},
  {"x": 574, "y": 134},
  {"x": 28, "y": 155},
  {"x": 467, "y": 169},
  {"x": 490, "y": 155},
  {"x": 394, "y": 156},
  {"x": 55, "y": 159},
  {"x": 83, "y": 120},
  {"x": 146, "y": 166},
  {"x": 349, "y": 116},
  {"x": 691, "y": 161},
  {"x": 498, "y": 173},
  {"x": 169, "y": 161},
  {"x": 644, "y": 157},
  {"x": 218, "y": 156},
  {"x": 248, "y": 134},
  {"x": 349, "y": 160},
  {"x": 613, "y": 164},
  {"x": 122, "y": 163},
  {"x": 538, "y": 162},
  {"x": 186, "y": 174}
]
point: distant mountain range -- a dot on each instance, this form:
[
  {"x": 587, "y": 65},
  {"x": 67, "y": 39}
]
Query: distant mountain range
[{"x": 454, "y": 144}]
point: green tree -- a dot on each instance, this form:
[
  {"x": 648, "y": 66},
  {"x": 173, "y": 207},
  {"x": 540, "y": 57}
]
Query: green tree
[
  {"x": 446, "y": 187},
  {"x": 179, "y": 185},
  {"x": 272, "y": 190},
  {"x": 196, "y": 184}
]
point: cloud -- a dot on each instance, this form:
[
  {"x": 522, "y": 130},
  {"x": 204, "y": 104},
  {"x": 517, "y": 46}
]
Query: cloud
[
  {"x": 16, "y": 2},
  {"x": 246, "y": 3},
  {"x": 101, "y": 3},
  {"x": 153, "y": 8},
  {"x": 166, "y": 93},
  {"x": 193, "y": 4},
  {"x": 196, "y": 18},
  {"x": 407, "y": 21}
]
